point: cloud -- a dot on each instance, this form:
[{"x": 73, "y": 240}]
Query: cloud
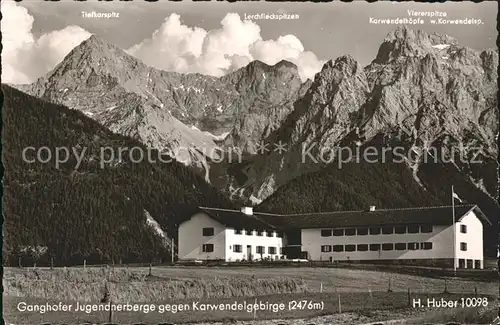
[
  {"x": 25, "y": 58},
  {"x": 173, "y": 47},
  {"x": 177, "y": 47}
]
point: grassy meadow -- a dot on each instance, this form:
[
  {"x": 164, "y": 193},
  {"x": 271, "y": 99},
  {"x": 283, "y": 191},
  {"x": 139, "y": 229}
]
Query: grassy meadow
[{"x": 368, "y": 294}]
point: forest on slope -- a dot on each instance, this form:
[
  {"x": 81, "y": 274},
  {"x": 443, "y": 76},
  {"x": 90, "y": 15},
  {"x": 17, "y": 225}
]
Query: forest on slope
[{"x": 89, "y": 213}]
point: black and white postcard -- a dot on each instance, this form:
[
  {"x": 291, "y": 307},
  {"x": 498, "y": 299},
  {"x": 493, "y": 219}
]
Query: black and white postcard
[{"x": 250, "y": 162}]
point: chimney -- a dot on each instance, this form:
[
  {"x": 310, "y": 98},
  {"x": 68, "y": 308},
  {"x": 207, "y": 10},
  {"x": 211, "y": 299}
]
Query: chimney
[
  {"x": 247, "y": 210},
  {"x": 372, "y": 208}
]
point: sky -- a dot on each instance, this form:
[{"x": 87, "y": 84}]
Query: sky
[{"x": 214, "y": 37}]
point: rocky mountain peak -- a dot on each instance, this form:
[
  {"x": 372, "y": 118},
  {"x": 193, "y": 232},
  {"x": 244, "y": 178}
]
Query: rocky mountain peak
[
  {"x": 334, "y": 71},
  {"x": 418, "y": 36},
  {"x": 405, "y": 42},
  {"x": 95, "y": 41},
  {"x": 267, "y": 96},
  {"x": 287, "y": 64},
  {"x": 95, "y": 50},
  {"x": 258, "y": 71},
  {"x": 91, "y": 68},
  {"x": 258, "y": 65}
]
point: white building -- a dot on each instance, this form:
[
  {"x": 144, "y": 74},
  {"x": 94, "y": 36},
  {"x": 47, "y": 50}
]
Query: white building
[
  {"x": 229, "y": 235},
  {"x": 417, "y": 235}
]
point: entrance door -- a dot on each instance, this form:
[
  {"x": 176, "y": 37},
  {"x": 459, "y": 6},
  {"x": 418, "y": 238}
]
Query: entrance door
[{"x": 249, "y": 252}]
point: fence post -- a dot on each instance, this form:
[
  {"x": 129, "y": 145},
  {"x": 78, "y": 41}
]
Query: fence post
[
  {"x": 340, "y": 305},
  {"x": 172, "y": 250},
  {"x": 150, "y": 271},
  {"x": 52, "y": 263},
  {"x": 107, "y": 299},
  {"x": 20, "y": 265},
  {"x": 321, "y": 287},
  {"x": 390, "y": 284},
  {"x": 409, "y": 297},
  {"x": 84, "y": 264},
  {"x": 475, "y": 291},
  {"x": 446, "y": 286},
  {"x": 110, "y": 313},
  {"x": 255, "y": 310}
]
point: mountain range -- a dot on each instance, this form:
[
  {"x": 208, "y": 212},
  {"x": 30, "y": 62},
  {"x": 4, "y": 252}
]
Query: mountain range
[
  {"x": 191, "y": 116},
  {"x": 260, "y": 135}
]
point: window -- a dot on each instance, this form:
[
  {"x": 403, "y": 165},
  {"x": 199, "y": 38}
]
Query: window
[
  {"x": 279, "y": 234},
  {"x": 461, "y": 263},
  {"x": 350, "y": 232},
  {"x": 249, "y": 232},
  {"x": 208, "y": 231},
  {"x": 260, "y": 233},
  {"x": 362, "y": 231},
  {"x": 350, "y": 248},
  {"x": 388, "y": 247},
  {"x": 463, "y": 229},
  {"x": 338, "y": 248},
  {"x": 387, "y": 230},
  {"x": 400, "y": 229},
  {"x": 426, "y": 246},
  {"x": 326, "y": 248},
  {"x": 326, "y": 232},
  {"x": 362, "y": 247},
  {"x": 426, "y": 228},
  {"x": 237, "y": 248},
  {"x": 269, "y": 233},
  {"x": 374, "y": 247},
  {"x": 260, "y": 250},
  {"x": 281, "y": 250},
  {"x": 400, "y": 246},
  {"x": 207, "y": 248},
  {"x": 413, "y": 246},
  {"x": 413, "y": 229},
  {"x": 338, "y": 232},
  {"x": 238, "y": 231},
  {"x": 463, "y": 246},
  {"x": 271, "y": 250},
  {"x": 374, "y": 231}
]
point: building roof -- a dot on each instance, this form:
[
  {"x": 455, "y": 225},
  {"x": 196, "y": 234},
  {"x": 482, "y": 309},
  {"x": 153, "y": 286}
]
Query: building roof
[
  {"x": 437, "y": 215},
  {"x": 440, "y": 215},
  {"x": 237, "y": 219}
]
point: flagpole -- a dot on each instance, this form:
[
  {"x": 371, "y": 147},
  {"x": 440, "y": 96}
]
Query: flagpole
[{"x": 454, "y": 235}]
